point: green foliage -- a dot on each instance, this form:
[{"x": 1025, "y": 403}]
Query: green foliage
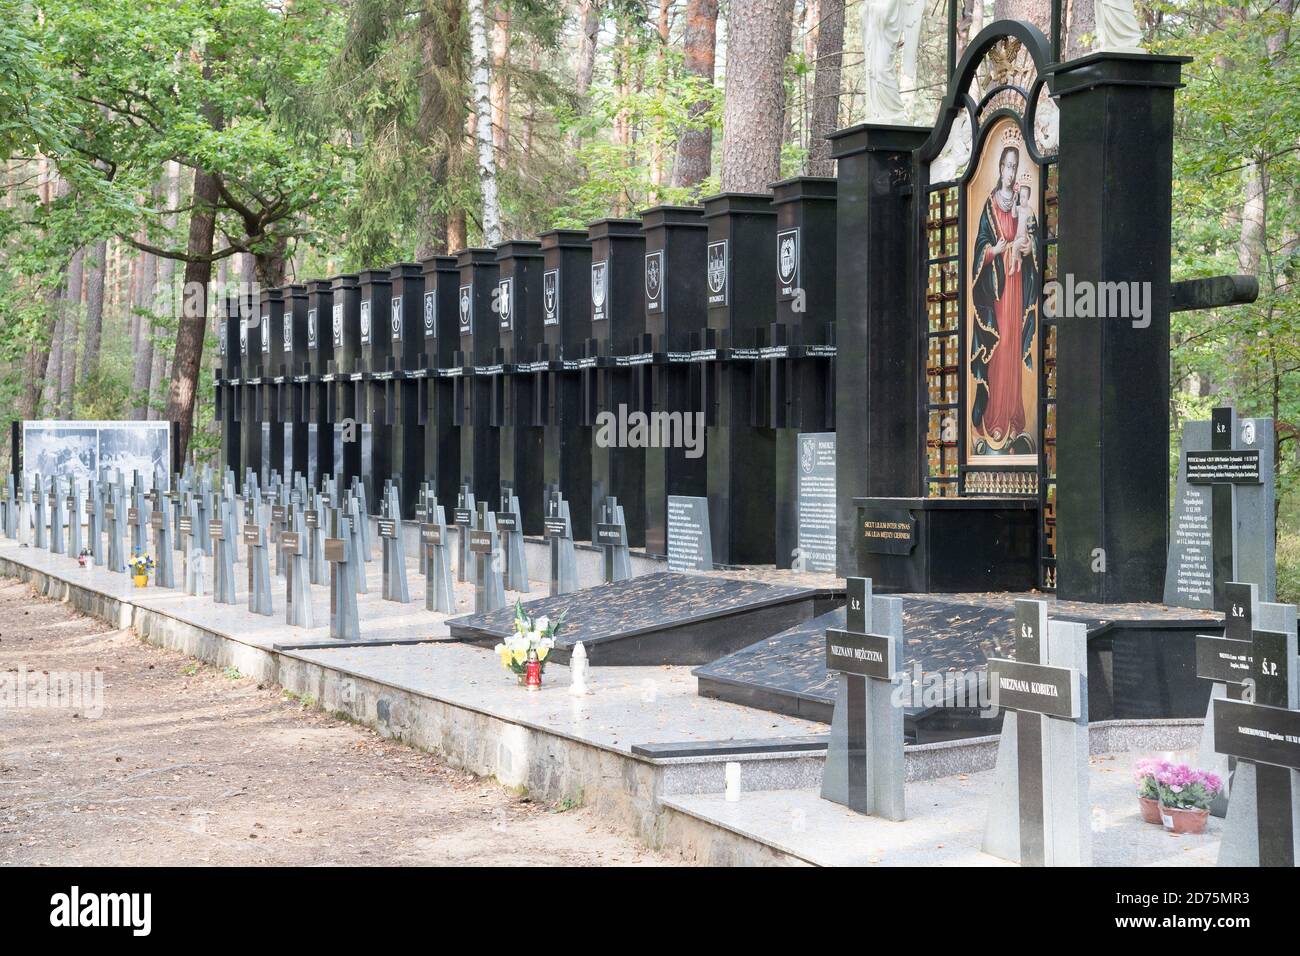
[
  {"x": 615, "y": 178},
  {"x": 1237, "y": 118}
]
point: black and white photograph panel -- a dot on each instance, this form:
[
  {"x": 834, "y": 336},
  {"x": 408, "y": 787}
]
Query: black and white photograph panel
[
  {"x": 130, "y": 447},
  {"x": 63, "y": 449}
]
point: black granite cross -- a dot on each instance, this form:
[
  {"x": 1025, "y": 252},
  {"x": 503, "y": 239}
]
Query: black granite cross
[
  {"x": 1033, "y": 690},
  {"x": 861, "y": 655},
  {"x": 1266, "y": 732}
]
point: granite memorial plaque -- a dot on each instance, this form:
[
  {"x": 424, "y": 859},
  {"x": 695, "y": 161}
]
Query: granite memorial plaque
[
  {"x": 690, "y": 546},
  {"x": 815, "y": 482},
  {"x": 1222, "y": 527}
]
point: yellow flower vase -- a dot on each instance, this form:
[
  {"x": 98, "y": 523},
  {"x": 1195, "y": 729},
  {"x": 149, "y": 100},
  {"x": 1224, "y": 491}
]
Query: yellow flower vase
[{"x": 141, "y": 580}]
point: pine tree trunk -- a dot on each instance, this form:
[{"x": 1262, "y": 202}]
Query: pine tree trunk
[
  {"x": 695, "y": 146},
  {"x": 1082, "y": 21},
  {"x": 188, "y": 360},
  {"x": 164, "y": 303},
  {"x": 96, "y": 277},
  {"x": 71, "y": 333},
  {"x": 442, "y": 117},
  {"x": 53, "y": 371},
  {"x": 758, "y": 39},
  {"x": 826, "y": 87},
  {"x": 500, "y": 91},
  {"x": 589, "y": 34},
  {"x": 142, "y": 360}
]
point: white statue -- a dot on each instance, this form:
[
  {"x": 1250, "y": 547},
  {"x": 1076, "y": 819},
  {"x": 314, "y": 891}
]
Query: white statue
[
  {"x": 1117, "y": 27},
  {"x": 912, "y": 12},
  {"x": 882, "y": 26}
]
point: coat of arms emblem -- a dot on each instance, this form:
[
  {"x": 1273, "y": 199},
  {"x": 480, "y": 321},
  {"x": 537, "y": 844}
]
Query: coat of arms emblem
[
  {"x": 551, "y": 296},
  {"x": 654, "y": 266},
  {"x": 807, "y": 454},
  {"x": 717, "y": 266},
  {"x": 788, "y": 254},
  {"x": 396, "y": 319},
  {"x": 428, "y": 314},
  {"x": 466, "y": 310},
  {"x": 504, "y": 289},
  {"x": 598, "y": 290}
]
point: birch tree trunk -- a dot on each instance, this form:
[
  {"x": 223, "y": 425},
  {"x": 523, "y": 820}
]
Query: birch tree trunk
[
  {"x": 481, "y": 83},
  {"x": 758, "y": 39}
]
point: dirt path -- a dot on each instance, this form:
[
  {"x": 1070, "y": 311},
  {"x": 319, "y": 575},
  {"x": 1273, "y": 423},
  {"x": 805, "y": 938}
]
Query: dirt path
[{"x": 192, "y": 765}]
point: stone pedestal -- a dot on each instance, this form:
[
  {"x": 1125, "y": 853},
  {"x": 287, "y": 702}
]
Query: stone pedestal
[
  {"x": 270, "y": 312},
  {"x": 675, "y": 239},
  {"x": 618, "y": 333},
  {"x": 566, "y": 327},
  {"x": 297, "y": 391},
  {"x": 1116, "y": 137},
  {"x": 479, "y": 355},
  {"x": 404, "y": 329},
  {"x": 373, "y": 394},
  {"x": 797, "y": 365},
  {"x": 345, "y": 333},
  {"x": 439, "y": 327},
  {"x": 519, "y": 318},
  {"x": 877, "y": 336},
  {"x": 739, "y": 445}
]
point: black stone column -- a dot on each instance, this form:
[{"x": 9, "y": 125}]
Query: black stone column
[
  {"x": 618, "y": 337},
  {"x": 250, "y": 353},
  {"x": 675, "y": 238},
  {"x": 271, "y": 324},
  {"x": 297, "y": 397},
  {"x": 441, "y": 333},
  {"x": 230, "y": 393},
  {"x": 405, "y": 331},
  {"x": 372, "y": 391},
  {"x": 1117, "y": 113},
  {"x": 799, "y": 373},
  {"x": 740, "y": 444},
  {"x": 480, "y": 355},
  {"x": 320, "y": 361},
  {"x": 345, "y": 332},
  {"x": 520, "y": 311},
  {"x": 566, "y": 329},
  {"x": 877, "y": 336}
]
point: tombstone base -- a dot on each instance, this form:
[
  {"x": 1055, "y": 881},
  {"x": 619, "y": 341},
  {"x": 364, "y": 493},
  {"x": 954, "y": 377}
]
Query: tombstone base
[
  {"x": 662, "y": 618},
  {"x": 957, "y": 544}
]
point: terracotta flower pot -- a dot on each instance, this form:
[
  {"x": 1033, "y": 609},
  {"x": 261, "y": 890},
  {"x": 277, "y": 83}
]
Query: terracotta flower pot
[
  {"x": 1150, "y": 810},
  {"x": 1178, "y": 820}
]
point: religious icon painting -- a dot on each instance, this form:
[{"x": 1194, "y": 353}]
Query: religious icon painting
[{"x": 1003, "y": 287}]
